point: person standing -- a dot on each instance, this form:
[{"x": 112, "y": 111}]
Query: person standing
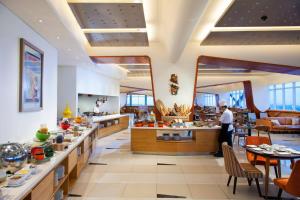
[{"x": 226, "y": 121}]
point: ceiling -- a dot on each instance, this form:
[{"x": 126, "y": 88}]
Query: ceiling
[
  {"x": 258, "y": 22},
  {"x": 245, "y": 13},
  {"x": 111, "y": 24},
  {"x": 168, "y": 30}
]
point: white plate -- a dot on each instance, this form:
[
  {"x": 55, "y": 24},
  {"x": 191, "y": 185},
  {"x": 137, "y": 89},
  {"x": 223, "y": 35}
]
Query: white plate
[
  {"x": 251, "y": 146},
  {"x": 257, "y": 149},
  {"x": 268, "y": 152},
  {"x": 283, "y": 153}
]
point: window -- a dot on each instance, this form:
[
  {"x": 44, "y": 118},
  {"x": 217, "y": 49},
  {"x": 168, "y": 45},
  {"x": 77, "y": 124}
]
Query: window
[
  {"x": 209, "y": 100},
  {"x": 150, "y": 101},
  {"x": 128, "y": 100},
  {"x": 285, "y": 96},
  {"x": 237, "y": 99},
  {"x": 139, "y": 100}
]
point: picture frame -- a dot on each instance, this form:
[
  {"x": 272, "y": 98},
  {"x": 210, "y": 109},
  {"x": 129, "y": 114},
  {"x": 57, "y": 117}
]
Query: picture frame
[{"x": 31, "y": 77}]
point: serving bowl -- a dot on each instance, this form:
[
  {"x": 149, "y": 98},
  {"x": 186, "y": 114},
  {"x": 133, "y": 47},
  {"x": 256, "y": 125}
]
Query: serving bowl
[
  {"x": 13, "y": 155},
  {"x": 42, "y": 136}
]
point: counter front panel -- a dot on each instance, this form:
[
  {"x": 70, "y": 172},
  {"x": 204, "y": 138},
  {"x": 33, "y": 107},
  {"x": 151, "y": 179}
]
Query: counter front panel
[{"x": 198, "y": 141}]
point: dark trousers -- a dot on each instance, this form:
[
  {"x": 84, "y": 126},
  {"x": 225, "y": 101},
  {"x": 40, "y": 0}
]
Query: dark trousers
[{"x": 225, "y": 136}]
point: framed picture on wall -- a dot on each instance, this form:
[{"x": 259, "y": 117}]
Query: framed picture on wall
[{"x": 31, "y": 77}]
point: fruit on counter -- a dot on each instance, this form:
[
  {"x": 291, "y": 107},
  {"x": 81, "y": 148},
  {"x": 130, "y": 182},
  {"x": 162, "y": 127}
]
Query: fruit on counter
[
  {"x": 78, "y": 120},
  {"x": 67, "y": 112}
]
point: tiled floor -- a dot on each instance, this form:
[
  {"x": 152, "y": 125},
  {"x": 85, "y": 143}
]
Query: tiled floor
[{"x": 135, "y": 176}]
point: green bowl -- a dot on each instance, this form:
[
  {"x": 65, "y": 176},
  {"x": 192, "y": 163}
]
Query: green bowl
[{"x": 41, "y": 136}]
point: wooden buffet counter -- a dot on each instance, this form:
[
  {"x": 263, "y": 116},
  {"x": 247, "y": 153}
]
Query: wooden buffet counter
[
  {"x": 42, "y": 186},
  {"x": 110, "y": 124},
  {"x": 195, "y": 140}
]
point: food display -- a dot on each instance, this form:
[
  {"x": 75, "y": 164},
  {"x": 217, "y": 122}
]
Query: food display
[
  {"x": 181, "y": 110},
  {"x": 12, "y": 156},
  {"x": 67, "y": 112},
  {"x": 78, "y": 120},
  {"x": 42, "y": 134},
  {"x": 65, "y": 124}
]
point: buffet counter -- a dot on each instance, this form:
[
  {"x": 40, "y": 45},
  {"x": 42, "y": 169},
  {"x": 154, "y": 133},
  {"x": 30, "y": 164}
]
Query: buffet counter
[
  {"x": 42, "y": 185},
  {"x": 175, "y": 141},
  {"x": 110, "y": 124}
]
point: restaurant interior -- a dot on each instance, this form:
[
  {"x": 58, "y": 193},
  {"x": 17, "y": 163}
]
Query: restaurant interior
[{"x": 149, "y": 99}]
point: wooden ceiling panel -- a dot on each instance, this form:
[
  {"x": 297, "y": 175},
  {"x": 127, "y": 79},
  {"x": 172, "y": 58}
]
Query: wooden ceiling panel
[
  {"x": 109, "y": 15},
  {"x": 249, "y": 13},
  {"x": 253, "y": 38},
  {"x": 117, "y": 39}
]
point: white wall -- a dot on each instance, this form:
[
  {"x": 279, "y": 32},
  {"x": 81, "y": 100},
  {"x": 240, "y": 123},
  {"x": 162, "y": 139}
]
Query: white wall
[
  {"x": 67, "y": 89},
  {"x": 91, "y": 82},
  {"x": 16, "y": 126},
  {"x": 74, "y": 80},
  {"x": 123, "y": 99},
  {"x": 87, "y": 104}
]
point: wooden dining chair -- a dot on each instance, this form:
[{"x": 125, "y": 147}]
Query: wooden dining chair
[
  {"x": 258, "y": 140},
  {"x": 290, "y": 185},
  {"x": 236, "y": 169}
]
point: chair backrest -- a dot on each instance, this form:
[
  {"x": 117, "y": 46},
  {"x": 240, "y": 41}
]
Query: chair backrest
[
  {"x": 293, "y": 184},
  {"x": 255, "y": 140},
  {"x": 232, "y": 165}
]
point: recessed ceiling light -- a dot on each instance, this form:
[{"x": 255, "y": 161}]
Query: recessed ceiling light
[
  {"x": 40, "y": 21},
  {"x": 57, "y": 37}
]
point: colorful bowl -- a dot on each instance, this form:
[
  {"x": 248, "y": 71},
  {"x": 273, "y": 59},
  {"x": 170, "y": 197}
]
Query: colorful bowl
[
  {"x": 65, "y": 126},
  {"x": 42, "y": 136}
]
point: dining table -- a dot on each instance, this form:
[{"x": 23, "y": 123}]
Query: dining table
[{"x": 272, "y": 155}]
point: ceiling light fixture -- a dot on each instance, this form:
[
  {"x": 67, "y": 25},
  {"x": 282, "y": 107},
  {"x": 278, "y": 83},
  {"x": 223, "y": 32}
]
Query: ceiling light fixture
[
  {"x": 104, "y": 1},
  {"x": 40, "y": 21},
  {"x": 115, "y": 30},
  {"x": 57, "y": 37},
  {"x": 256, "y": 28}
]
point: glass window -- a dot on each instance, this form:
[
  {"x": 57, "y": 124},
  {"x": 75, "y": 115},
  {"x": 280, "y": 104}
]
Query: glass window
[
  {"x": 128, "y": 103},
  {"x": 288, "y": 99},
  {"x": 237, "y": 99},
  {"x": 138, "y": 100},
  {"x": 297, "y": 99},
  {"x": 279, "y": 99},
  {"x": 150, "y": 101},
  {"x": 209, "y": 100},
  {"x": 285, "y": 96},
  {"x": 278, "y": 86}
]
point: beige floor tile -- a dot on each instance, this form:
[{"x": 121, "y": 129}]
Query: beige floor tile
[
  {"x": 202, "y": 191},
  {"x": 119, "y": 168},
  {"x": 80, "y": 188},
  {"x": 204, "y": 174},
  {"x": 169, "y": 169},
  {"x": 106, "y": 190},
  {"x": 138, "y": 190},
  {"x": 170, "y": 179},
  {"x": 174, "y": 189},
  {"x": 194, "y": 169},
  {"x": 144, "y": 169}
]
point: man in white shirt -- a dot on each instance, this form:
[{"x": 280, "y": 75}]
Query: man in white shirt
[{"x": 226, "y": 120}]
